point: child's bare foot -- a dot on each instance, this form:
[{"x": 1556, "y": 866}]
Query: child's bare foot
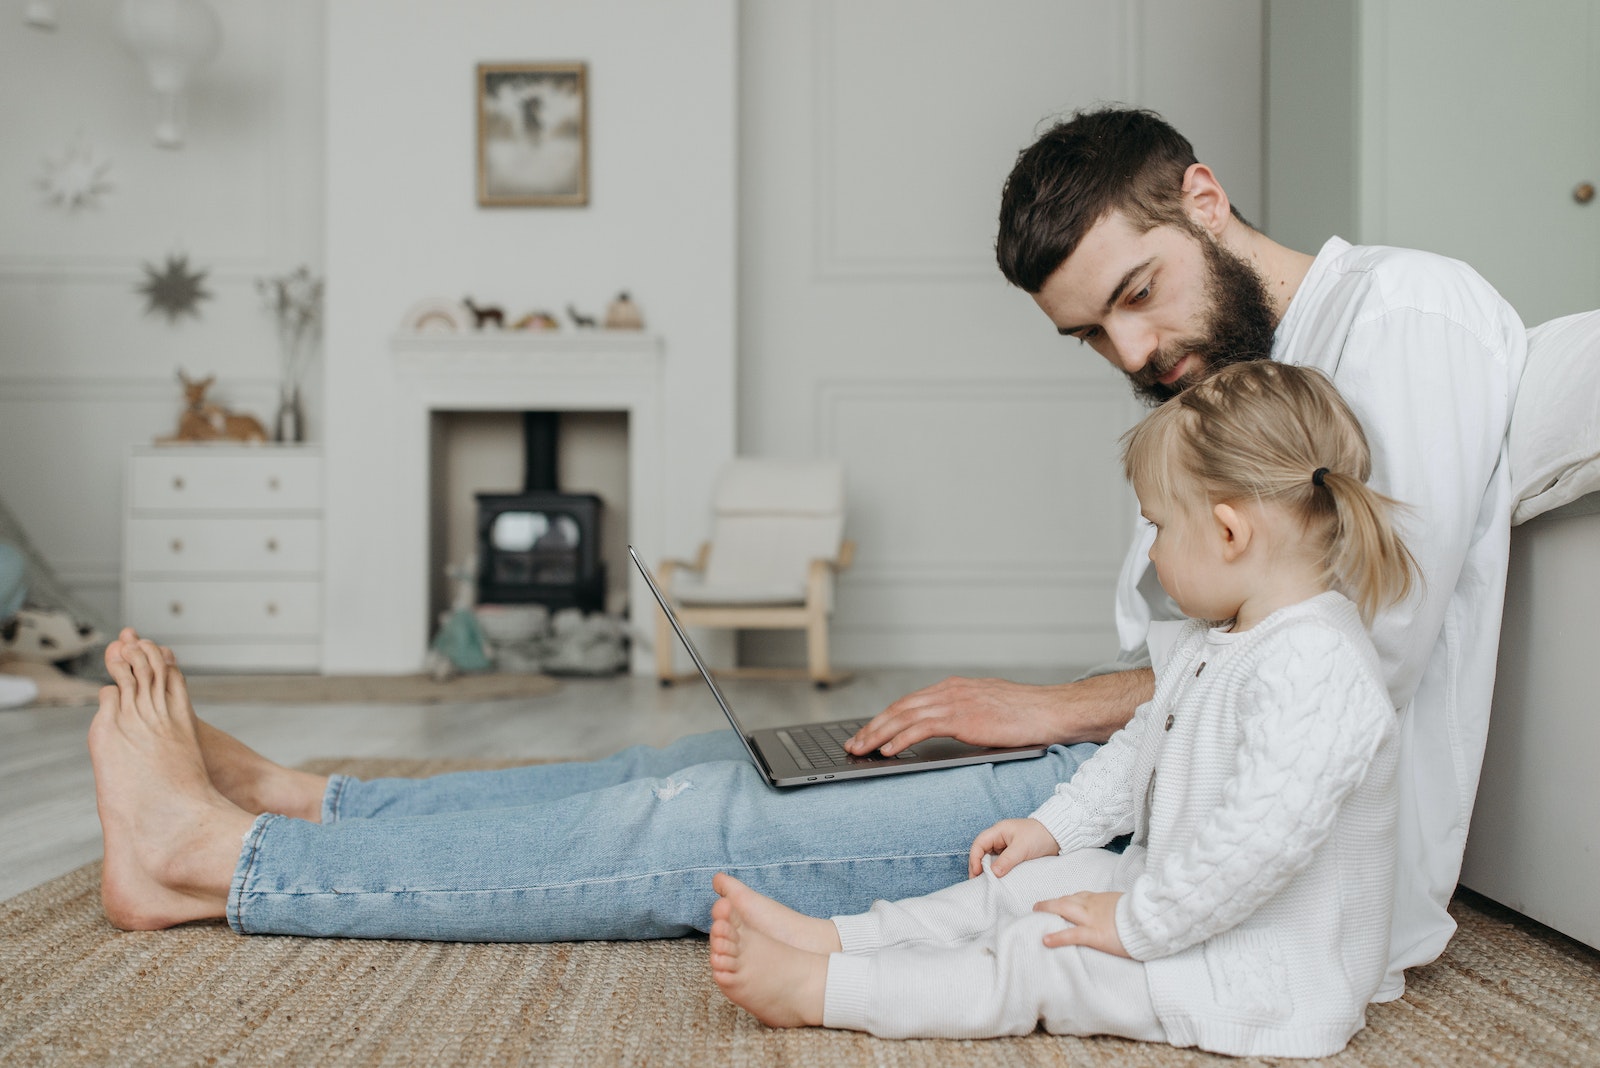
[
  {"x": 771, "y": 918},
  {"x": 171, "y": 840},
  {"x": 239, "y": 773},
  {"x": 776, "y": 983}
]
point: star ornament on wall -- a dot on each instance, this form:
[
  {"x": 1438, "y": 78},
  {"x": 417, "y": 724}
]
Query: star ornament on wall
[
  {"x": 78, "y": 178},
  {"x": 174, "y": 290}
]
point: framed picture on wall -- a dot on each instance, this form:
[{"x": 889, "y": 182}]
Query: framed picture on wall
[{"x": 533, "y": 134}]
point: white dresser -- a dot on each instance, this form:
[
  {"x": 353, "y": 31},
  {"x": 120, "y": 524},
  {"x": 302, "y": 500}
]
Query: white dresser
[{"x": 222, "y": 554}]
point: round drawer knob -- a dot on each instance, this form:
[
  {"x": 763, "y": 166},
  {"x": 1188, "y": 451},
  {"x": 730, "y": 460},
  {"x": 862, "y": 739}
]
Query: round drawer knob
[
  {"x": 176, "y": 608},
  {"x": 272, "y": 545},
  {"x": 1583, "y": 192},
  {"x": 177, "y": 545},
  {"x": 272, "y": 608},
  {"x": 177, "y": 482},
  {"x": 272, "y": 483}
]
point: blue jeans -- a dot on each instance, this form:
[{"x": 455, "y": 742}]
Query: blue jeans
[{"x": 618, "y": 848}]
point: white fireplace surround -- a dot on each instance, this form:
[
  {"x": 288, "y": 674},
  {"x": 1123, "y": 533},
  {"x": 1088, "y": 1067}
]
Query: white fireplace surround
[{"x": 599, "y": 370}]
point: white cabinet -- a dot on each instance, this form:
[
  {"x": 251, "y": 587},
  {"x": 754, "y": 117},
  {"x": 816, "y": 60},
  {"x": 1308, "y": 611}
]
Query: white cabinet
[
  {"x": 1533, "y": 844},
  {"x": 222, "y": 554}
]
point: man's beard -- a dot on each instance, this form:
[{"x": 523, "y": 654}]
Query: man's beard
[{"x": 1239, "y": 324}]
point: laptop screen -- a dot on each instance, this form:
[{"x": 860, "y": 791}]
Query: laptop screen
[{"x": 694, "y": 654}]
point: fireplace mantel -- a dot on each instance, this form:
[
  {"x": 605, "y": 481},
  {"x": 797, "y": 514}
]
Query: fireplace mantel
[
  {"x": 591, "y": 370},
  {"x": 586, "y": 360},
  {"x": 602, "y": 342}
]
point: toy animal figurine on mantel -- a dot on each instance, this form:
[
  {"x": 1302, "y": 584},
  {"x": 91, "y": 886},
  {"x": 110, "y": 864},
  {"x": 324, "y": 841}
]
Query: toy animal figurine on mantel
[
  {"x": 485, "y": 316},
  {"x": 624, "y": 314},
  {"x": 205, "y": 421},
  {"x": 537, "y": 320},
  {"x": 580, "y": 320}
]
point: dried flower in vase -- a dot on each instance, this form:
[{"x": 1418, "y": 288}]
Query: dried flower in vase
[{"x": 295, "y": 301}]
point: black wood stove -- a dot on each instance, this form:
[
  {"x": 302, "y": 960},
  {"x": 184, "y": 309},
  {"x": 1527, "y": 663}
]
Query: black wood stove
[{"x": 540, "y": 546}]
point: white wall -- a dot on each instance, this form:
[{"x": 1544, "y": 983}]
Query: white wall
[
  {"x": 1458, "y": 126},
  {"x": 800, "y": 196},
  {"x": 1313, "y": 117},
  {"x": 980, "y": 447},
  {"x": 403, "y": 224},
  {"x": 84, "y": 372}
]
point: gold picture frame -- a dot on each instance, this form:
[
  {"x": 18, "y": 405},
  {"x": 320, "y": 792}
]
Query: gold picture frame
[{"x": 533, "y": 134}]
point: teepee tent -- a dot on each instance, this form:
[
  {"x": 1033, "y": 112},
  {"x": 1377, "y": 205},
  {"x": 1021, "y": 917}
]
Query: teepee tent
[{"x": 45, "y": 590}]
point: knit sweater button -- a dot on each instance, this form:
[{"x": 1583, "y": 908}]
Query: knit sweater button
[{"x": 1168, "y": 727}]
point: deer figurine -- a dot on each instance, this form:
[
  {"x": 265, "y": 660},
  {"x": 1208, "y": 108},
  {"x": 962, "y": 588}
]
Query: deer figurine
[
  {"x": 205, "y": 421},
  {"x": 484, "y": 316}
]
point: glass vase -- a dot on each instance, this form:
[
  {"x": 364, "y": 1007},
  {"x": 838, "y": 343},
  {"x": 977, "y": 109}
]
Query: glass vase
[{"x": 290, "y": 427}]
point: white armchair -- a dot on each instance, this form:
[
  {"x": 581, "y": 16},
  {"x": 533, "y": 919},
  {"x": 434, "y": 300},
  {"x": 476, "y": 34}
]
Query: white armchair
[{"x": 777, "y": 541}]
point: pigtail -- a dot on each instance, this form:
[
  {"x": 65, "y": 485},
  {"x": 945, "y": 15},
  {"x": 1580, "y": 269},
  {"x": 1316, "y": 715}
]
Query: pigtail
[{"x": 1366, "y": 557}]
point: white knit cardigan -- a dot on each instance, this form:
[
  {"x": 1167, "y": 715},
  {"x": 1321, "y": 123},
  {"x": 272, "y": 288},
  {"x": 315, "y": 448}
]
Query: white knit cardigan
[{"x": 1261, "y": 781}]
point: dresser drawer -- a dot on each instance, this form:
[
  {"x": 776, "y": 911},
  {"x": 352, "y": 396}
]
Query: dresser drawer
[
  {"x": 249, "y": 655},
  {"x": 187, "y": 480},
  {"x": 238, "y": 609},
  {"x": 182, "y": 544}
]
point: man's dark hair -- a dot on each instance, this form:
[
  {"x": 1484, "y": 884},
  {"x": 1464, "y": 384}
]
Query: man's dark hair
[{"x": 1114, "y": 159}]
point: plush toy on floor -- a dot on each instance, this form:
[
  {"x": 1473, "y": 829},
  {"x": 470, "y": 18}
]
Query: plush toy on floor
[
  {"x": 459, "y": 646},
  {"x": 46, "y": 636},
  {"x": 32, "y": 642}
]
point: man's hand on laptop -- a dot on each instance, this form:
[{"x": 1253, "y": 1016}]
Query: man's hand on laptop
[
  {"x": 996, "y": 712},
  {"x": 990, "y": 712}
]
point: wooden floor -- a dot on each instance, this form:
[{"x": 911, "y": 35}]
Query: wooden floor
[{"x": 48, "y": 824}]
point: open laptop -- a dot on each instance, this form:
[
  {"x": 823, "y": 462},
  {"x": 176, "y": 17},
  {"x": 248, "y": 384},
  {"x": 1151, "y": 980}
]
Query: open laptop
[{"x": 808, "y": 753}]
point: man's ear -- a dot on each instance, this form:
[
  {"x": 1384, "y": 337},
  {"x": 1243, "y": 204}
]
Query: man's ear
[
  {"x": 1234, "y": 528},
  {"x": 1205, "y": 200}
]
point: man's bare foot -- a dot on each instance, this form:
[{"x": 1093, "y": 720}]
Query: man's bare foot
[
  {"x": 171, "y": 840},
  {"x": 771, "y": 918},
  {"x": 239, "y": 773},
  {"x": 776, "y": 983}
]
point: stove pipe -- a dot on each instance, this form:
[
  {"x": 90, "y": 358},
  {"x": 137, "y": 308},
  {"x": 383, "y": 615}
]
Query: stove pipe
[{"x": 539, "y": 431}]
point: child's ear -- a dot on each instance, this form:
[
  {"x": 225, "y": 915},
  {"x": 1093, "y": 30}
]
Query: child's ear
[{"x": 1234, "y": 528}]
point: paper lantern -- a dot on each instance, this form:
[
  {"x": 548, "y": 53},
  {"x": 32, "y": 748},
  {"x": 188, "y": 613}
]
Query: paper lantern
[{"x": 172, "y": 39}]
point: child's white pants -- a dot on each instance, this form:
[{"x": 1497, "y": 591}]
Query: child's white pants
[{"x": 968, "y": 961}]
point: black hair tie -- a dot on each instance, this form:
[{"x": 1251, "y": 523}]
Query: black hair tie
[{"x": 1317, "y": 476}]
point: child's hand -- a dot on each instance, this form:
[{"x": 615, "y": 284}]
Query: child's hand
[
  {"x": 1094, "y": 921},
  {"x": 1015, "y": 841}
]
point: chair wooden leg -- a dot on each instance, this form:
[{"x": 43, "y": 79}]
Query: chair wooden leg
[
  {"x": 817, "y": 649},
  {"x": 666, "y": 645}
]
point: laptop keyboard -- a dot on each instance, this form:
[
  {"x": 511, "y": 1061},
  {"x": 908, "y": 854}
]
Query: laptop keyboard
[{"x": 822, "y": 746}]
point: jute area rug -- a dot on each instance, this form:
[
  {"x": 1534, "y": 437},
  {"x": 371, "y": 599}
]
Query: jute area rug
[
  {"x": 58, "y": 689},
  {"x": 365, "y": 689},
  {"x": 75, "y": 991}
]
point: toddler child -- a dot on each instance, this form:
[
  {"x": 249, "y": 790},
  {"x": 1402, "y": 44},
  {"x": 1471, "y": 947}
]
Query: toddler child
[{"x": 1250, "y": 914}]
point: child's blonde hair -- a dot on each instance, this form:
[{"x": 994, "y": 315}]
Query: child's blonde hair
[{"x": 1274, "y": 432}]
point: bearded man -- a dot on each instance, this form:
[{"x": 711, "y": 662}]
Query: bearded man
[{"x": 1130, "y": 245}]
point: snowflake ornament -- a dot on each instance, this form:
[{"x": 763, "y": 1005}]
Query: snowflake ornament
[
  {"x": 78, "y": 178},
  {"x": 173, "y": 290}
]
